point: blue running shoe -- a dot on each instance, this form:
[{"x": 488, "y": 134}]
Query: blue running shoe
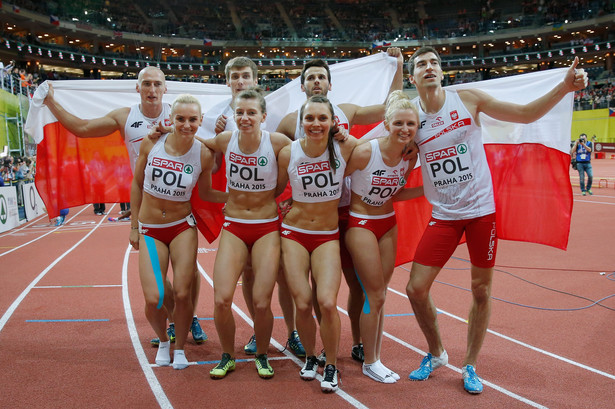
[
  {"x": 471, "y": 381},
  {"x": 198, "y": 334},
  {"x": 429, "y": 364},
  {"x": 250, "y": 347},
  {"x": 295, "y": 345},
  {"x": 170, "y": 333}
]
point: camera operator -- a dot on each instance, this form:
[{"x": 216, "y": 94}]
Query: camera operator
[{"x": 582, "y": 149}]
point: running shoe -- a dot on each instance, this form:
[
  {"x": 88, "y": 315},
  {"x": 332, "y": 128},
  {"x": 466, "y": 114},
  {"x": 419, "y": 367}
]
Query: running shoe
[
  {"x": 471, "y": 381},
  {"x": 329, "y": 381},
  {"x": 322, "y": 358},
  {"x": 60, "y": 220},
  {"x": 250, "y": 347},
  {"x": 309, "y": 370},
  {"x": 262, "y": 366},
  {"x": 357, "y": 353},
  {"x": 198, "y": 334},
  {"x": 226, "y": 364},
  {"x": 429, "y": 364},
  {"x": 295, "y": 345},
  {"x": 170, "y": 333},
  {"x": 590, "y": 192},
  {"x": 584, "y": 193}
]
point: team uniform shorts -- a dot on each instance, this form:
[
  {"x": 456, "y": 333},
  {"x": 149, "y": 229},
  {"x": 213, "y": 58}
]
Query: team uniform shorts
[
  {"x": 166, "y": 232},
  {"x": 377, "y": 224},
  {"x": 441, "y": 238},
  {"x": 309, "y": 239},
  {"x": 249, "y": 231}
]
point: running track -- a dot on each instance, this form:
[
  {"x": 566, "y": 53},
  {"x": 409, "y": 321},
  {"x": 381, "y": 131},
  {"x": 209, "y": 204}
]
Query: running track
[{"x": 73, "y": 332}]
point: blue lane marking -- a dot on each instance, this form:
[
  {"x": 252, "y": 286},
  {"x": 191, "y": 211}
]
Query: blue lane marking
[
  {"x": 73, "y": 320},
  {"x": 153, "y": 257}
]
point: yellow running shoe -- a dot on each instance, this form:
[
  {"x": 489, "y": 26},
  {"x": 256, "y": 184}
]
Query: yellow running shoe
[
  {"x": 226, "y": 364},
  {"x": 262, "y": 366}
]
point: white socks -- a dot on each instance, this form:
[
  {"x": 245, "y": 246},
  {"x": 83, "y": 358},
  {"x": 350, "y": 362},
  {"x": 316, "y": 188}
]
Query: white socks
[
  {"x": 163, "y": 356},
  {"x": 179, "y": 359},
  {"x": 379, "y": 372},
  {"x": 391, "y": 373}
]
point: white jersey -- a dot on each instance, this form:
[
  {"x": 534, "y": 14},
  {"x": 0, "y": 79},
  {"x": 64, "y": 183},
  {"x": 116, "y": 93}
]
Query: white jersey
[
  {"x": 137, "y": 127},
  {"x": 208, "y": 127},
  {"x": 378, "y": 182},
  {"x": 254, "y": 172},
  {"x": 172, "y": 177},
  {"x": 311, "y": 179},
  {"x": 456, "y": 176},
  {"x": 341, "y": 119}
]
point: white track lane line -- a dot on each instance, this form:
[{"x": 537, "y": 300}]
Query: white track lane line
[
  {"x": 9, "y": 312},
  {"x": 523, "y": 344},
  {"x": 348, "y": 398},
  {"x": 150, "y": 376},
  {"x": 458, "y": 370},
  {"x": 23, "y": 226},
  {"x": 40, "y": 237}
]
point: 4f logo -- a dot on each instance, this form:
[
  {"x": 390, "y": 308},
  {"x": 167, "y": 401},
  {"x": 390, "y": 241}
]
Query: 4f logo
[
  {"x": 136, "y": 124},
  {"x": 363, "y": 222},
  {"x": 286, "y": 232},
  {"x": 378, "y": 172},
  {"x": 422, "y": 124}
]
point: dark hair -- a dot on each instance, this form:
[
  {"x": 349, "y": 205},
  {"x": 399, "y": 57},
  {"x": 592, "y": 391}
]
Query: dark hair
[
  {"x": 315, "y": 63},
  {"x": 254, "y": 93},
  {"x": 321, "y": 99},
  {"x": 423, "y": 50}
]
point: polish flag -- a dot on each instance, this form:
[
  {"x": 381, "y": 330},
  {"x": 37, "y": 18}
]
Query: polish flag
[{"x": 529, "y": 163}]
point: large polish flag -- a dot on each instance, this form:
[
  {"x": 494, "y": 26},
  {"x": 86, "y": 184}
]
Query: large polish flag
[{"x": 529, "y": 163}]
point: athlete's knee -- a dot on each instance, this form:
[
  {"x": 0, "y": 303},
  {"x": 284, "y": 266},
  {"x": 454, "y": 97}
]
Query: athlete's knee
[
  {"x": 481, "y": 291},
  {"x": 417, "y": 291},
  {"x": 262, "y": 305},
  {"x": 328, "y": 305}
]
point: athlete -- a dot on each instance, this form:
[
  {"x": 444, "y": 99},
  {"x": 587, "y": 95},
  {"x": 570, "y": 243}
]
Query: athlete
[
  {"x": 251, "y": 227},
  {"x": 310, "y": 236},
  {"x": 316, "y": 80},
  {"x": 379, "y": 172},
  {"x": 457, "y": 183},
  {"x": 241, "y": 74},
  {"x": 166, "y": 171},
  {"x": 133, "y": 123}
]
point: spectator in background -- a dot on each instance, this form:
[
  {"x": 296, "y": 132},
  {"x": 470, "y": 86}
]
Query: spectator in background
[{"x": 582, "y": 149}]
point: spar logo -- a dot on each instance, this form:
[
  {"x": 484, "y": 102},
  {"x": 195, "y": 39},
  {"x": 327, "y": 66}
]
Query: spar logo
[
  {"x": 439, "y": 122},
  {"x": 4, "y": 210},
  {"x": 188, "y": 169},
  {"x": 308, "y": 168},
  {"x": 245, "y": 167},
  {"x": 446, "y": 153},
  {"x": 168, "y": 164}
]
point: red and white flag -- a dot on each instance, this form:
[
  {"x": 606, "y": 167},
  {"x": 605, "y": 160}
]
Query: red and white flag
[{"x": 529, "y": 163}]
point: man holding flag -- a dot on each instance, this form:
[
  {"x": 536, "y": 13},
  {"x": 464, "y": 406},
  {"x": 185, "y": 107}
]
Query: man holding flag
[
  {"x": 457, "y": 182},
  {"x": 133, "y": 124}
]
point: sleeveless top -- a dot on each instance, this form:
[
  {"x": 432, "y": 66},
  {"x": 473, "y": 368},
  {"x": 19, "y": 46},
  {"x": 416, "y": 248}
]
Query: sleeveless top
[
  {"x": 312, "y": 180},
  {"x": 456, "y": 177},
  {"x": 136, "y": 128},
  {"x": 342, "y": 120},
  {"x": 378, "y": 182},
  {"x": 254, "y": 172},
  {"x": 172, "y": 177}
]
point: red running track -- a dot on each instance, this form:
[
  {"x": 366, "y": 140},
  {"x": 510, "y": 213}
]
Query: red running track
[{"x": 73, "y": 332}]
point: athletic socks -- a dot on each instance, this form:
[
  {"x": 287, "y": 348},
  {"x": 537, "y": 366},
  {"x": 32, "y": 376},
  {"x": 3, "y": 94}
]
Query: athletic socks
[
  {"x": 391, "y": 373},
  {"x": 179, "y": 359},
  {"x": 163, "y": 356},
  {"x": 378, "y": 372}
]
